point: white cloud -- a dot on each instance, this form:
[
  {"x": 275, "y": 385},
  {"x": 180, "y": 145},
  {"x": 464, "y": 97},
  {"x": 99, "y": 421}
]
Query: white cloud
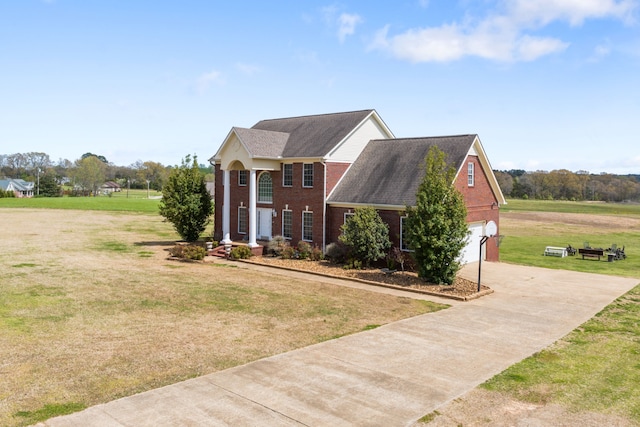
[
  {"x": 575, "y": 12},
  {"x": 345, "y": 22},
  {"x": 347, "y": 25},
  {"x": 206, "y": 80},
  {"x": 506, "y": 35},
  {"x": 248, "y": 69}
]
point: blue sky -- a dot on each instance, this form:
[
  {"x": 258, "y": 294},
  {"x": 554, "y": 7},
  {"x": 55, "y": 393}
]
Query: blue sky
[{"x": 547, "y": 84}]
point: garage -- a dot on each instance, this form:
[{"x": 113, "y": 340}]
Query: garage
[{"x": 471, "y": 252}]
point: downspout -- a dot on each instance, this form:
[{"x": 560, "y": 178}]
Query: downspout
[{"x": 324, "y": 208}]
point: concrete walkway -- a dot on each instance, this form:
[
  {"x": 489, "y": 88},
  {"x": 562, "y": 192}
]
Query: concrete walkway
[{"x": 389, "y": 376}]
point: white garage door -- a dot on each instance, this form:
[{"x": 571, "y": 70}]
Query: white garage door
[{"x": 471, "y": 252}]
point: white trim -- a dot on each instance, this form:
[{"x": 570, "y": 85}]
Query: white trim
[
  {"x": 246, "y": 219},
  {"x": 258, "y": 188},
  {"x": 312, "y": 175},
  {"x": 471, "y": 174},
  {"x": 283, "y": 175},
  {"x": 282, "y": 228},
  {"x": 303, "y": 214},
  {"x": 246, "y": 177},
  {"x": 344, "y": 216},
  {"x": 375, "y": 206}
]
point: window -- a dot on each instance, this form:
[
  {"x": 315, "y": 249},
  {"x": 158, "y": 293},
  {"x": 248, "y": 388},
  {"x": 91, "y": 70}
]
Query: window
[
  {"x": 242, "y": 178},
  {"x": 287, "y": 175},
  {"x": 307, "y": 226},
  {"x": 242, "y": 219},
  {"x": 347, "y": 215},
  {"x": 470, "y": 174},
  {"x": 287, "y": 224},
  {"x": 265, "y": 188},
  {"x": 307, "y": 175},
  {"x": 403, "y": 239}
]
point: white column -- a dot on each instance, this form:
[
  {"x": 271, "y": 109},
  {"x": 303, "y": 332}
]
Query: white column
[
  {"x": 226, "y": 207},
  {"x": 253, "y": 223}
]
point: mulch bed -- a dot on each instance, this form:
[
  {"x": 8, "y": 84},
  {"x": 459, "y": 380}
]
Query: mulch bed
[{"x": 462, "y": 289}]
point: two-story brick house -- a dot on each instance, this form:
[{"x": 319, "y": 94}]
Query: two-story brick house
[{"x": 300, "y": 177}]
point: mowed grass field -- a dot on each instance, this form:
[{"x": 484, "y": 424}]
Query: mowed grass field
[
  {"x": 91, "y": 310},
  {"x": 597, "y": 367}
]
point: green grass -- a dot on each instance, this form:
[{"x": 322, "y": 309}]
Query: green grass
[
  {"x": 597, "y": 208},
  {"x": 101, "y": 203},
  {"x": 50, "y": 411},
  {"x": 595, "y": 368}
]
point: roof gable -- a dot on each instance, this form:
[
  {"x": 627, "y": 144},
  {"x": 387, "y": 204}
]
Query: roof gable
[
  {"x": 314, "y": 136},
  {"x": 389, "y": 171}
]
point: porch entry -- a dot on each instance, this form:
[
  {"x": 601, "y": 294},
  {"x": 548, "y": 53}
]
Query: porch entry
[{"x": 264, "y": 220}]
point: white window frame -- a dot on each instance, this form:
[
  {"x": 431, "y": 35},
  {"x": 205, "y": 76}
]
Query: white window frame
[
  {"x": 284, "y": 174},
  {"x": 246, "y": 219},
  {"x": 304, "y": 214},
  {"x": 471, "y": 174},
  {"x": 290, "y": 212},
  {"x": 304, "y": 174},
  {"x": 245, "y": 175},
  {"x": 261, "y": 195},
  {"x": 347, "y": 215}
]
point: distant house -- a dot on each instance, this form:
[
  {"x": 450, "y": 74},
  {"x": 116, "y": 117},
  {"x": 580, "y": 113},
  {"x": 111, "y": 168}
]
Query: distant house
[
  {"x": 110, "y": 187},
  {"x": 20, "y": 187},
  {"x": 301, "y": 178}
]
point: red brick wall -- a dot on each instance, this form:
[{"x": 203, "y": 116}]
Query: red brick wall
[
  {"x": 297, "y": 197},
  {"x": 482, "y": 203},
  {"x": 480, "y": 200}
]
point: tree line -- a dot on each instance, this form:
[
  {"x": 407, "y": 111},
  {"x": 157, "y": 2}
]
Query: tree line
[
  {"x": 563, "y": 184},
  {"x": 83, "y": 176}
]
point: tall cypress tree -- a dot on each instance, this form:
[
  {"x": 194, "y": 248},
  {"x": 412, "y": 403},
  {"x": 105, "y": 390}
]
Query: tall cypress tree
[
  {"x": 436, "y": 228},
  {"x": 186, "y": 202}
]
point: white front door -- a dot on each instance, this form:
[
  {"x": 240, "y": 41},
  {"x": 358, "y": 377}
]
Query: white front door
[{"x": 264, "y": 223}]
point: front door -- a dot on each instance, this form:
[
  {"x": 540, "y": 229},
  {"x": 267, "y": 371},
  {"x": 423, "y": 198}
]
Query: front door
[{"x": 264, "y": 223}]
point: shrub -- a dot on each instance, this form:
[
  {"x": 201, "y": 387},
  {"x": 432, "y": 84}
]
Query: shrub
[
  {"x": 436, "y": 228},
  {"x": 192, "y": 252},
  {"x": 316, "y": 254},
  {"x": 241, "y": 252},
  {"x": 289, "y": 252},
  {"x": 336, "y": 252},
  {"x": 366, "y": 235},
  {"x": 304, "y": 249},
  {"x": 186, "y": 202},
  {"x": 276, "y": 245}
]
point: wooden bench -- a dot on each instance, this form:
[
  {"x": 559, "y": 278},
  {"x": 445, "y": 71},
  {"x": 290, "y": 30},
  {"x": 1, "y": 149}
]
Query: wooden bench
[
  {"x": 590, "y": 252},
  {"x": 555, "y": 251}
]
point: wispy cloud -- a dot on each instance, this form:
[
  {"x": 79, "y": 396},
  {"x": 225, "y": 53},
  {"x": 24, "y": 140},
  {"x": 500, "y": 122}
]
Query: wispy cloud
[
  {"x": 346, "y": 23},
  {"x": 248, "y": 69},
  {"x": 204, "y": 81},
  {"x": 506, "y": 34}
]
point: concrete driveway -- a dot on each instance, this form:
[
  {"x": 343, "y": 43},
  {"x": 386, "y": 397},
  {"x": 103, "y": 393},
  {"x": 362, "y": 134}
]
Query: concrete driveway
[{"x": 389, "y": 376}]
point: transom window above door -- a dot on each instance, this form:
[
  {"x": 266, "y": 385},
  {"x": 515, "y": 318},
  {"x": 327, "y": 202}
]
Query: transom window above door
[{"x": 265, "y": 188}]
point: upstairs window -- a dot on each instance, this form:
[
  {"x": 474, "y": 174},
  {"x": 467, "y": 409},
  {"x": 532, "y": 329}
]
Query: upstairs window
[
  {"x": 307, "y": 175},
  {"x": 287, "y": 175},
  {"x": 265, "y": 188},
  {"x": 242, "y": 178},
  {"x": 470, "y": 174}
]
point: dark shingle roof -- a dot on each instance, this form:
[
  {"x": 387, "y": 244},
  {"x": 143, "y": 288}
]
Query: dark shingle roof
[
  {"x": 389, "y": 171},
  {"x": 313, "y": 136},
  {"x": 262, "y": 143}
]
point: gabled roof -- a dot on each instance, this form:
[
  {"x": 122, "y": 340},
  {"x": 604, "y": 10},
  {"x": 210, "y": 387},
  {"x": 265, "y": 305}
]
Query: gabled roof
[
  {"x": 389, "y": 171},
  {"x": 16, "y": 184},
  {"x": 261, "y": 143},
  {"x": 314, "y": 136}
]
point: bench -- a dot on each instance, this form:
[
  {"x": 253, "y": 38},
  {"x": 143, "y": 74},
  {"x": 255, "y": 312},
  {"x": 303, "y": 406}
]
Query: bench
[
  {"x": 590, "y": 252},
  {"x": 555, "y": 251}
]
